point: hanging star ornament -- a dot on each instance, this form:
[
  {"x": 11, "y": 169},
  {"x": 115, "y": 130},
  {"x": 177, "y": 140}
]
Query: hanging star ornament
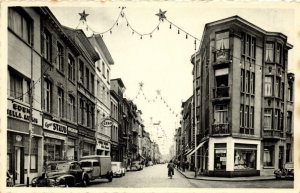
[
  {"x": 161, "y": 15},
  {"x": 83, "y": 15},
  {"x": 141, "y": 84}
]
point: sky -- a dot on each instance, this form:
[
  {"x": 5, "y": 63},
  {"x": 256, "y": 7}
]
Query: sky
[{"x": 163, "y": 61}]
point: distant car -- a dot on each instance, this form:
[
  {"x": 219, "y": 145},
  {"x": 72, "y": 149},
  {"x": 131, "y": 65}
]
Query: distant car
[
  {"x": 97, "y": 166},
  {"x": 286, "y": 172},
  {"x": 136, "y": 165},
  {"x": 118, "y": 169},
  {"x": 61, "y": 173}
]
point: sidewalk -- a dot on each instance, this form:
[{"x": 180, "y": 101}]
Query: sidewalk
[{"x": 191, "y": 175}]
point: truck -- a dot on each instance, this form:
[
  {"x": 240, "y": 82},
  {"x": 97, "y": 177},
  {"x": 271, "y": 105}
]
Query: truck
[{"x": 97, "y": 166}]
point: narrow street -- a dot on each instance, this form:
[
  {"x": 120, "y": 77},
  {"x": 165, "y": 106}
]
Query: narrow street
[{"x": 156, "y": 176}]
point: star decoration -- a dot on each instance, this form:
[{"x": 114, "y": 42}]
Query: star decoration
[
  {"x": 83, "y": 15},
  {"x": 161, "y": 15},
  {"x": 141, "y": 84}
]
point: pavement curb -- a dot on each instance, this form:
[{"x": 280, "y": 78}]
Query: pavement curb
[{"x": 227, "y": 179}]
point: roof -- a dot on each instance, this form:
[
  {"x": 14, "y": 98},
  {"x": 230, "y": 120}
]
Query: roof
[
  {"x": 103, "y": 47},
  {"x": 80, "y": 35},
  {"x": 120, "y": 82}
]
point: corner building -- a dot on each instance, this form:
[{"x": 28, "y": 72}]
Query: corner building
[{"x": 241, "y": 89}]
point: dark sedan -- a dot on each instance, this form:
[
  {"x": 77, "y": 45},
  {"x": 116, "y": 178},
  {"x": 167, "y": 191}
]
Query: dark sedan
[
  {"x": 286, "y": 172},
  {"x": 65, "y": 174}
]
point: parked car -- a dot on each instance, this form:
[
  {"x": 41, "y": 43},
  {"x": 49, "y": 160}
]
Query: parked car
[
  {"x": 61, "y": 173},
  {"x": 136, "y": 165},
  {"x": 286, "y": 172},
  {"x": 97, "y": 166},
  {"x": 118, "y": 169}
]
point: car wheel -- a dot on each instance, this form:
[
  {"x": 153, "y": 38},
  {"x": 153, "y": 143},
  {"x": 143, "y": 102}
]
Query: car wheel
[{"x": 85, "y": 181}]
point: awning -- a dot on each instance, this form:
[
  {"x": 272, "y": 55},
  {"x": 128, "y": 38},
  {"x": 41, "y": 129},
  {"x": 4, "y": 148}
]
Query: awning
[{"x": 200, "y": 145}]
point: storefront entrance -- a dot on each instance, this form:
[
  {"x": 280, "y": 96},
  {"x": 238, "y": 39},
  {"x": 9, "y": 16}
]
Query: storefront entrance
[{"x": 19, "y": 165}]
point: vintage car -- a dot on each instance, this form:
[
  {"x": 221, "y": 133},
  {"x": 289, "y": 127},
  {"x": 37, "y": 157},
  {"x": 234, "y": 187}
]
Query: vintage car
[
  {"x": 97, "y": 166},
  {"x": 118, "y": 169},
  {"x": 61, "y": 173},
  {"x": 287, "y": 171},
  {"x": 136, "y": 165}
]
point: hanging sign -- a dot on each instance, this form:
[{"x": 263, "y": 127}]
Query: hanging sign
[{"x": 107, "y": 123}]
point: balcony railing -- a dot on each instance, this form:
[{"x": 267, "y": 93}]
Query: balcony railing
[
  {"x": 221, "y": 92},
  {"x": 220, "y": 129},
  {"x": 273, "y": 134},
  {"x": 221, "y": 56}
]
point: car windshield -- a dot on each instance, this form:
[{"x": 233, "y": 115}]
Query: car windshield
[
  {"x": 86, "y": 164},
  {"x": 57, "y": 167},
  {"x": 114, "y": 167}
]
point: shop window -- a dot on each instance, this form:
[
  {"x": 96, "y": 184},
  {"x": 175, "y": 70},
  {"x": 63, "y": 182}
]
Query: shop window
[
  {"x": 245, "y": 156},
  {"x": 269, "y": 156},
  {"x": 220, "y": 156},
  {"x": 20, "y": 23}
]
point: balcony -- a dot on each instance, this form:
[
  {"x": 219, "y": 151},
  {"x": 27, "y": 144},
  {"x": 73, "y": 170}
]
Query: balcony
[
  {"x": 276, "y": 134},
  {"x": 221, "y": 58},
  {"x": 221, "y": 93},
  {"x": 220, "y": 129}
]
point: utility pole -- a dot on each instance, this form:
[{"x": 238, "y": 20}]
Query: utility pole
[
  {"x": 195, "y": 113},
  {"x": 30, "y": 131}
]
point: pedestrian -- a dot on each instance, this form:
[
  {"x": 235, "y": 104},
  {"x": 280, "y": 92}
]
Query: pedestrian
[
  {"x": 170, "y": 169},
  {"x": 9, "y": 179}
]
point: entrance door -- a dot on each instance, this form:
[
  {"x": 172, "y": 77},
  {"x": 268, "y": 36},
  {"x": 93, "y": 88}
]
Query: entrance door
[
  {"x": 281, "y": 156},
  {"x": 19, "y": 165}
]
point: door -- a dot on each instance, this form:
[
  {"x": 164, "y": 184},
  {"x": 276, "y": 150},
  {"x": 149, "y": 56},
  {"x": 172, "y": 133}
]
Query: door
[
  {"x": 96, "y": 169},
  {"x": 281, "y": 156},
  {"x": 18, "y": 164}
]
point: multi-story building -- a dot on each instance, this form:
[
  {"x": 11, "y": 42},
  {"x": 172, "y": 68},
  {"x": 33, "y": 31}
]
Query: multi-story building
[
  {"x": 59, "y": 88},
  {"x": 118, "y": 88},
  {"x": 132, "y": 132},
  {"x": 83, "y": 71},
  {"x": 102, "y": 93},
  {"x": 114, "y": 108},
  {"x": 23, "y": 73},
  {"x": 241, "y": 86}
]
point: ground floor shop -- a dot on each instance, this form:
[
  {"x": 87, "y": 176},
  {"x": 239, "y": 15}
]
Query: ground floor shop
[{"x": 103, "y": 147}]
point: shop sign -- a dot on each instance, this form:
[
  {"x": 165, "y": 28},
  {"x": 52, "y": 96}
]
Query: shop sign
[
  {"x": 107, "y": 123},
  {"x": 86, "y": 133},
  {"x": 72, "y": 131},
  {"x": 102, "y": 146},
  {"x": 55, "y": 127},
  {"x": 21, "y": 112},
  {"x": 52, "y": 135},
  {"x": 220, "y": 150}
]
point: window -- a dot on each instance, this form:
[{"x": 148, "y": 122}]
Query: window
[
  {"x": 290, "y": 92},
  {"x": 270, "y": 52},
  {"x": 16, "y": 86},
  {"x": 242, "y": 80},
  {"x": 103, "y": 69},
  {"x": 222, "y": 40},
  {"x": 71, "y": 68},
  {"x": 220, "y": 156},
  {"x": 46, "y": 49},
  {"x": 289, "y": 121},
  {"x": 87, "y": 78},
  {"x": 60, "y": 57},
  {"x": 92, "y": 84},
  {"x": 81, "y": 113},
  {"x": 252, "y": 83},
  {"x": 277, "y": 120},
  {"x": 245, "y": 156},
  {"x": 247, "y": 81},
  {"x": 243, "y": 43},
  {"x": 282, "y": 91},
  {"x": 268, "y": 86},
  {"x": 81, "y": 72},
  {"x": 278, "y": 53},
  {"x": 47, "y": 96},
  {"x": 107, "y": 72},
  {"x": 248, "y": 45},
  {"x": 268, "y": 156},
  {"x": 88, "y": 123},
  {"x": 71, "y": 108},
  {"x": 251, "y": 118},
  {"x": 277, "y": 87},
  {"x": 268, "y": 119},
  {"x": 242, "y": 116},
  {"x": 221, "y": 114},
  {"x": 253, "y": 47},
  {"x": 20, "y": 24},
  {"x": 247, "y": 116},
  {"x": 60, "y": 99}
]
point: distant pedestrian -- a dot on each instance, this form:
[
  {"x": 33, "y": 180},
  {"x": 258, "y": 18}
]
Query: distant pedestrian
[{"x": 170, "y": 169}]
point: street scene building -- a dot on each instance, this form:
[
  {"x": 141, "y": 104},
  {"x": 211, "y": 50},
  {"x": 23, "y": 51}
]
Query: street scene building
[
  {"x": 74, "y": 118},
  {"x": 243, "y": 102}
]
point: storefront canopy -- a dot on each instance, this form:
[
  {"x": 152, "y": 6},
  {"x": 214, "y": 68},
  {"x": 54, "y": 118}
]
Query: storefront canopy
[{"x": 200, "y": 145}]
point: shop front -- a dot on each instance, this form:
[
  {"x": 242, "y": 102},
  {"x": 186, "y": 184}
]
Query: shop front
[
  {"x": 102, "y": 148},
  {"x": 87, "y": 141},
  {"x": 233, "y": 157},
  {"x": 55, "y": 141},
  {"x": 72, "y": 144},
  {"x": 18, "y": 142}
]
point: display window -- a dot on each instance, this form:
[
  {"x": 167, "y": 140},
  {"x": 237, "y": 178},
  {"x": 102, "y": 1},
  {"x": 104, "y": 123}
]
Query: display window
[
  {"x": 220, "y": 155},
  {"x": 245, "y": 157}
]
